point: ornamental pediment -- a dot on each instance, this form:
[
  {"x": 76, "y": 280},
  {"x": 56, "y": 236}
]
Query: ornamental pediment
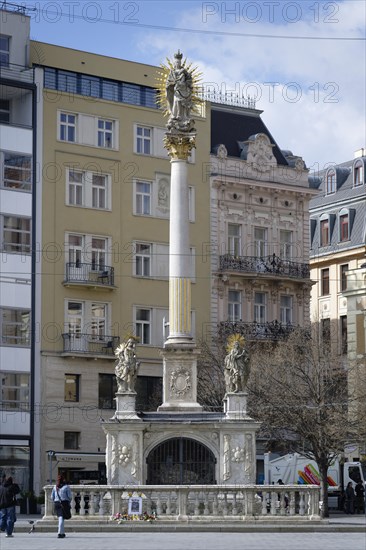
[{"x": 259, "y": 153}]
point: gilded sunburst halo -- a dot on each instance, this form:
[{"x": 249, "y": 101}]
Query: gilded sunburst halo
[{"x": 233, "y": 339}]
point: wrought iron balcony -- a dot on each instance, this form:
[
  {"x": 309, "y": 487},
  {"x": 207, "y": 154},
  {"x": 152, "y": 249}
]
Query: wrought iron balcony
[
  {"x": 270, "y": 265},
  {"x": 89, "y": 274},
  {"x": 273, "y": 330},
  {"x": 90, "y": 344}
]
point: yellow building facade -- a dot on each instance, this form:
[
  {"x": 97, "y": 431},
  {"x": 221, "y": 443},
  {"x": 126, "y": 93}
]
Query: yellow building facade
[{"x": 103, "y": 256}]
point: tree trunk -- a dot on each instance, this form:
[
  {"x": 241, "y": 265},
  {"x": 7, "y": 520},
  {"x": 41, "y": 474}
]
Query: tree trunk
[{"x": 323, "y": 472}]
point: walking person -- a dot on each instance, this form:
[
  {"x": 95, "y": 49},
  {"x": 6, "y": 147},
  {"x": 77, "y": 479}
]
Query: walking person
[
  {"x": 61, "y": 496},
  {"x": 350, "y": 498},
  {"x": 8, "y": 492},
  {"x": 360, "y": 498}
]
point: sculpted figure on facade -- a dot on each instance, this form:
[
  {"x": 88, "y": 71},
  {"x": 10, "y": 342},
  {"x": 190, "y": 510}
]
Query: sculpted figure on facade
[
  {"x": 127, "y": 366},
  {"x": 237, "y": 365}
]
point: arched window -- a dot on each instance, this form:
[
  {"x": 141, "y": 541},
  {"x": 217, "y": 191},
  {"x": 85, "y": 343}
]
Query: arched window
[
  {"x": 181, "y": 461},
  {"x": 330, "y": 181},
  {"x": 358, "y": 173}
]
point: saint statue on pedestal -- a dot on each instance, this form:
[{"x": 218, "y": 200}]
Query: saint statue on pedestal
[
  {"x": 127, "y": 366},
  {"x": 237, "y": 367}
]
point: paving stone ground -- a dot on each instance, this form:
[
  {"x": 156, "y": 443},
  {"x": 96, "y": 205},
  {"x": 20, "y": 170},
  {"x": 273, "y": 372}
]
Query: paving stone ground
[{"x": 186, "y": 541}]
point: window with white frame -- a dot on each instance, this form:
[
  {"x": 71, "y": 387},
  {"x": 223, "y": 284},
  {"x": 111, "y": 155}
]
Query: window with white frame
[
  {"x": 143, "y": 259},
  {"x": 4, "y": 50},
  {"x": 324, "y": 232},
  {"x": 15, "y": 234},
  {"x": 234, "y": 239},
  {"x": 358, "y": 173},
  {"x": 143, "y": 198},
  {"x": 260, "y": 242},
  {"x": 16, "y": 171},
  {"x": 330, "y": 182},
  {"x": 87, "y": 317},
  {"x": 144, "y": 140},
  {"x": 286, "y": 309},
  {"x": 87, "y": 249},
  {"x": 234, "y": 305},
  {"x": 260, "y": 305},
  {"x": 14, "y": 391},
  {"x": 15, "y": 327},
  {"x": 286, "y": 239},
  {"x": 105, "y": 133},
  {"x": 143, "y": 325},
  {"x": 67, "y": 126},
  {"x": 88, "y": 189}
]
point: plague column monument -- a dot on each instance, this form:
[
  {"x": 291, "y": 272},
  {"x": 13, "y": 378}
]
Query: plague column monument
[{"x": 178, "y": 95}]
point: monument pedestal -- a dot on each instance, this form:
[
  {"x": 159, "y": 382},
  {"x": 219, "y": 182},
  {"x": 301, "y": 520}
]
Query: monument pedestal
[
  {"x": 125, "y": 406},
  {"x": 235, "y": 405},
  {"x": 180, "y": 378}
]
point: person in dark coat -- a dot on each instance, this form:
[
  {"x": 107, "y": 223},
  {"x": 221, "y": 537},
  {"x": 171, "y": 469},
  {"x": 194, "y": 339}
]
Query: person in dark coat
[
  {"x": 350, "y": 498},
  {"x": 8, "y": 492},
  {"x": 360, "y": 497}
]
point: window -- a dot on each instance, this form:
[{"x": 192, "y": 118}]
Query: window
[
  {"x": 16, "y": 234},
  {"x": 67, "y": 82},
  {"x": 324, "y": 232},
  {"x": 4, "y": 111},
  {"x": 72, "y": 440},
  {"x": 88, "y": 317},
  {"x": 143, "y": 325},
  {"x": 97, "y": 253},
  {"x": 74, "y": 321},
  {"x": 88, "y": 189},
  {"x": 324, "y": 282},
  {"x": 286, "y": 244},
  {"x": 143, "y": 140},
  {"x": 260, "y": 307},
  {"x": 15, "y": 326},
  {"x": 16, "y": 171},
  {"x": 286, "y": 309},
  {"x": 234, "y": 239},
  {"x": 105, "y": 133},
  {"x": 76, "y": 188},
  {"x": 331, "y": 182},
  {"x": 90, "y": 86},
  {"x": 4, "y": 50},
  {"x": 325, "y": 332},
  {"x": 72, "y": 383},
  {"x": 343, "y": 269},
  {"x": 358, "y": 173},
  {"x": 149, "y": 391},
  {"x": 143, "y": 259},
  {"x": 67, "y": 127},
  {"x": 234, "y": 306},
  {"x": 86, "y": 249},
  {"x": 343, "y": 227},
  {"x": 260, "y": 242},
  {"x": 343, "y": 323},
  {"x": 99, "y": 191},
  {"x": 98, "y": 320},
  {"x": 107, "y": 388},
  {"x": 14, "y": 388},
  {"x": 143, "y": 198}
]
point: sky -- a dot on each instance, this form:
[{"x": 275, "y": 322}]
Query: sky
[{"x": 304, "y": 62}]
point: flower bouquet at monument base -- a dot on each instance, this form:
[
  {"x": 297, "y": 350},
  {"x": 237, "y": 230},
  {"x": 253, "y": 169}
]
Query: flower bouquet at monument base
[{"x": 122, "y": 517}]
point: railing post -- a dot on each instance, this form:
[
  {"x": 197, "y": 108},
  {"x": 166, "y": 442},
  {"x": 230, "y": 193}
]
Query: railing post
[{"x": 182, "y": 494}]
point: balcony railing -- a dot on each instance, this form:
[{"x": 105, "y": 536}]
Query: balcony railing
[
  {"x": 270, "y": 265},
  {"x": 90, "y": 344},
  {"x": 11, "y": 71},
  {"x": 89, "y": 274},
  {"x": 273, "y": 330},
  {"x": 192, "y": 503}
]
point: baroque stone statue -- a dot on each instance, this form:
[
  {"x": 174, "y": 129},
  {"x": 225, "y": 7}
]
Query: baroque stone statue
[
  {"x": 127, "y": 366},
  {"x": 237, "y": 367},
  {"x": 179, "y": 94}
]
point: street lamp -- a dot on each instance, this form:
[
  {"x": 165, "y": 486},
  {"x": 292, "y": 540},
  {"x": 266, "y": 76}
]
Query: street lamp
[{"x": 50, "y": 454}]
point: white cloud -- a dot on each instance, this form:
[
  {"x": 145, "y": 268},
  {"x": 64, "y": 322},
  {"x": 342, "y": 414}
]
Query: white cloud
[{"x": 327, "y": 123}]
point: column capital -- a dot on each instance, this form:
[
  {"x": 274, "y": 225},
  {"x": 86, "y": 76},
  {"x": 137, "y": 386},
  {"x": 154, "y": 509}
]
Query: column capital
[{"x": 179, "y": 146}]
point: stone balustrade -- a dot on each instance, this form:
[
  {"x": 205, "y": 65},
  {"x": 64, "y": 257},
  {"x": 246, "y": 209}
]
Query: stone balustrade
[{"x": 194, "y": 502}]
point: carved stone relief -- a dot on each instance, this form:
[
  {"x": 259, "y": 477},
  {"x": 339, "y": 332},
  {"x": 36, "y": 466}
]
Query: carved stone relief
[
  {"x": 260, "y": 154},
  {"x": 124, "y": 454},
  {"x": 237, "y": 454},
  {"x": 226, "y": 455},
  {"x": 180, "y": 382}
]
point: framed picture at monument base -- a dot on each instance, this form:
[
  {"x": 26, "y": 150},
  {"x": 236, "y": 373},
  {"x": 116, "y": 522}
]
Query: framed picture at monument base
[{"x": 135, "y": 506}]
